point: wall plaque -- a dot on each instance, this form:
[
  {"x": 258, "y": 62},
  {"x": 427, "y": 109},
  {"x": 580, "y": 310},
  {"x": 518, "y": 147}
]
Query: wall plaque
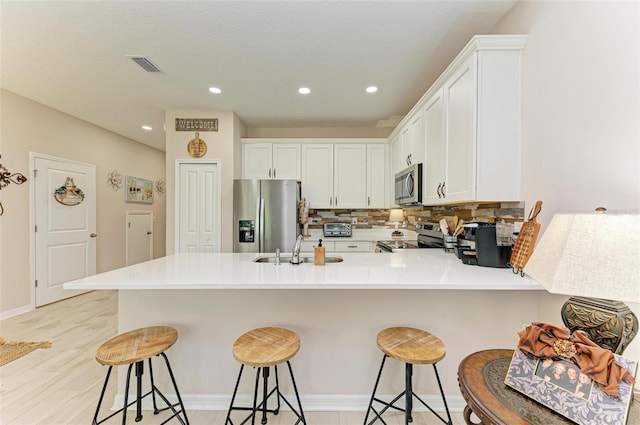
[
  {"x": 197, "y": 147},
  {"x": 196, "y": 124}
]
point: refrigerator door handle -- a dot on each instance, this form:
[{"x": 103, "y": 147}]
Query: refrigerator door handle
[{"x": 260, "y": 225}]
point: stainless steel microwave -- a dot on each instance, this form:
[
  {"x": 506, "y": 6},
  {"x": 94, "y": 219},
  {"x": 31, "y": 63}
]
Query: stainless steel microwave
[{"x": 408, "y": 186}]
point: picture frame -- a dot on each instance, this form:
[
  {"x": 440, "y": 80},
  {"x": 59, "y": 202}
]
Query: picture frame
[
  {"x": 583, "y": 403},
  {"x": 138, "y": 190}
]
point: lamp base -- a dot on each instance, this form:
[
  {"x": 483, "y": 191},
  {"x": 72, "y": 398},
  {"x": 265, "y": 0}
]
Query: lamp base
[{"x": 610, "y": 324}]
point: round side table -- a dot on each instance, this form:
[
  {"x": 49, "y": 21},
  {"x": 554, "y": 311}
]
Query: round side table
[{"x": 481, "y": 379}]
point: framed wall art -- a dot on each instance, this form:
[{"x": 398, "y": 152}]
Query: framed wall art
[
  {"x": 138, "y": 190},
  {"x": 561, "y": 386}
]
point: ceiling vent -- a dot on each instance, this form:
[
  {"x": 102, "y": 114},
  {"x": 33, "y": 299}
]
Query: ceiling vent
[{"x": 144, "y": 63}]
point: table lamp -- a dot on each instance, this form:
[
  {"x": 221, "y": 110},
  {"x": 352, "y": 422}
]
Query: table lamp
[
  {"x": 396, "y": 216},
  {"x": 595, "y": 258}
]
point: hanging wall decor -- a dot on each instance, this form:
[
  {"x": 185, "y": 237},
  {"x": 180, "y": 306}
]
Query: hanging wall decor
[
  {"x": 69, "y": 194},
  {"x": 7, "y": 177},
  {"x": 114, "y": 179},
  {"x": 139, "y": 190},
  {"x": 160, "y": 187},
  {"x": 197, "y": 147}
]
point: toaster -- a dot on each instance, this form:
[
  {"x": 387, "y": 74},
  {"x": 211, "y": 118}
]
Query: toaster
[{"x": 336, "y": 229}]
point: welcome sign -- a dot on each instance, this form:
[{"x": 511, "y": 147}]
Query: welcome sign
[{"x": 196, "y": 124}]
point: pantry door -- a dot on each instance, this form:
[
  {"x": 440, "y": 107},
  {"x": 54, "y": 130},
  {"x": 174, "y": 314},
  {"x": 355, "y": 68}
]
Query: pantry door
[
  {"x": 139, "y": 233},
  {"x": 65, "y": 225},
  {"x": 198, "y": 209}
]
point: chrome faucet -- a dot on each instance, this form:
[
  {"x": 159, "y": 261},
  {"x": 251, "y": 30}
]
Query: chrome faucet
[
  {"x": 277, "y": 256},
  {"x": 295, "y": 256}
]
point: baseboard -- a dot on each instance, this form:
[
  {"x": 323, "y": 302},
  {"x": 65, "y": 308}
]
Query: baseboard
[
  {"x": 15, "y": 312},
  {"x": 310, "y": 403}
]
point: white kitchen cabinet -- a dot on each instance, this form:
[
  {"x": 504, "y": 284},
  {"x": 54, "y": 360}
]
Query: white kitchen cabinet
[
  {"x": 351, "y": 246},
  {"x": 397, "y": 160},
  {"x": 377, "y": 171},
  {"x": 309, "y": 245},
  {"x": 344, "y": 175},
  {"x": 317, "y": 175},
  {"x": 350, "y": 171},
  {"x": 412, "y": 138},
  {"x": 471, "y": 119},
  {"x": 433, "y": 172},
  {"x": 338, "y": 246},
  {"x": 262, "y": 160}
]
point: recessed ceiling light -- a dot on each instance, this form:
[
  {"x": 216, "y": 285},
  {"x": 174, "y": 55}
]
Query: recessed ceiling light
[
  {"x": 372, "y": 89},
  {"x": 304, "y": 90},
  {"x": 147, "y": 127},
  {"x": 215, "y": 90}
]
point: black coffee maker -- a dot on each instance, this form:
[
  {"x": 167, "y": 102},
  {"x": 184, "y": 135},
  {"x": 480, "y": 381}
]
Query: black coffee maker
[{"x": 488, "y": 252}]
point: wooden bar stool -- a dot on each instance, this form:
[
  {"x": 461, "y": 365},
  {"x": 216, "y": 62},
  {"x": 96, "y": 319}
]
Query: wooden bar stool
[
  {"x": 134, "y": 347},
  {"x": 262, "y": 348},
  {"x": 410, "y": 346}
]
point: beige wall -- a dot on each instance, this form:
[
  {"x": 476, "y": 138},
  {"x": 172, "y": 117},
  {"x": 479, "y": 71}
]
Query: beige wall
[
  {"x": 580, "y": 126},
  {"x": 27, "y": 126},
  {"x": 320, "y": 132},
  {"x": 222, "y": 145}
]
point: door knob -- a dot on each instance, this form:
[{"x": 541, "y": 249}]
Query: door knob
[
  {"x": 94, "y": 235},
  {"x": 148, "y": 233}
]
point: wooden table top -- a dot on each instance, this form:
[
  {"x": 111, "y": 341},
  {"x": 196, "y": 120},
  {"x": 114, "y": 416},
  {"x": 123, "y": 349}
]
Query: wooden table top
[
  {"x": 266, "y": 347},
  {"x": 136, "y": 345},
  {"x": 411, "y": 345},
  {"x": 481, "y": 379}
]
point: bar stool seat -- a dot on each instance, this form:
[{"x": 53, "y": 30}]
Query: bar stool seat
[
  {"x": 264, "y": 348},
  {"x": 133, "y": 348},
  {"x": 413, "y": 347}
]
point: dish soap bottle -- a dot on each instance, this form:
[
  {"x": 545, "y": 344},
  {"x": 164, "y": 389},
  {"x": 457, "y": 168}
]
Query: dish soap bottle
[{"x": 318, "y": 254}]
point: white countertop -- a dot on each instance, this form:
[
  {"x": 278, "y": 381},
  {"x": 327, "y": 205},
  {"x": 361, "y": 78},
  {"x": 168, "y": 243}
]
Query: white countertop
[{"x": 409, "y": 269}]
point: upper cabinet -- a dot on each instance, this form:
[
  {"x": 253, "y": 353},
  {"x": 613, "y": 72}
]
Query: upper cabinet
[
  {"x": 412, "y": 139},
  {"x": 263, "y": 160},
  {"x": 344, "y": 175},
  {"x": 471, "y": 125}
]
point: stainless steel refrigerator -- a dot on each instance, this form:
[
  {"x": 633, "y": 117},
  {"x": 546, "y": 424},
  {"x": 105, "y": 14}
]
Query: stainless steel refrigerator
[{"x": 265, "y": 215}]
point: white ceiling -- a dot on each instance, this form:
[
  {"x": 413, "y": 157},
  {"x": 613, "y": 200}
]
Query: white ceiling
[{"x": 72, "y": 56}]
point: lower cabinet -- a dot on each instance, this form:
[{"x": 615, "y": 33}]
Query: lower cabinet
[{"x": 339, "y": 246}]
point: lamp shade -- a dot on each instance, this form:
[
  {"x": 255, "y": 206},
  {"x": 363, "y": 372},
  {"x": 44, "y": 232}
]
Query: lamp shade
[
  {"x": 396, "y": 214},
  {"x": 590, "y": 255}
]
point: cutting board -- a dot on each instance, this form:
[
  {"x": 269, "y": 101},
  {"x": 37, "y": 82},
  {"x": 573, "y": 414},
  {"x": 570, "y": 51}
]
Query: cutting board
[{"x": 526, "y": 240}]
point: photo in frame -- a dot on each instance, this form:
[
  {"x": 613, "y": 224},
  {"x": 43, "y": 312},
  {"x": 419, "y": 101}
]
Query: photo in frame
[
  {"x": 560, "y": 386},
  {"x": 138, "y": 190}
]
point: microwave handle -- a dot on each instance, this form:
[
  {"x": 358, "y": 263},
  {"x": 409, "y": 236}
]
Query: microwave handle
[{"x": 407, "y": 183}]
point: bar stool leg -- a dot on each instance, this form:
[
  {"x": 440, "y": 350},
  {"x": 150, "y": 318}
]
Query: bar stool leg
[
  {"x": 153, "y": 391},
  {"x": 408, "y": 393},
  {"x": 175, "y": 387},
  {"x": 255, "y": 397},
  {"x": 104, "y": 389},
  {"x": 278, "y": 393},
  {"x": 373, "y": 394},
  {"x": 233, "y": 397},
  {"x": 126, "y": 395},
  {"x": 444, "y": 400},
  {"x": 265, "y": 379},
  {"x": 295, "y": 390}
]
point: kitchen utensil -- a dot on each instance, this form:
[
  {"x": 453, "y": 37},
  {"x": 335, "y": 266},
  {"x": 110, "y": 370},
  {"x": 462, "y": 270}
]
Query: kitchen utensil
[
  {"x": 523, "y": 247},
  {"x": 444, "y": 226},
  {"x": 458, "y": 228},
  {"x": 454, "y": 225}
]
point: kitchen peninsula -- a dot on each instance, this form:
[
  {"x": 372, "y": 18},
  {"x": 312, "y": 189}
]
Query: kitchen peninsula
[{"x": 337, "y": 310}]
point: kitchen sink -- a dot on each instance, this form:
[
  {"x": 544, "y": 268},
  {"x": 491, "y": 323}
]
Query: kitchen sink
[{"x": 287, "y": 259}]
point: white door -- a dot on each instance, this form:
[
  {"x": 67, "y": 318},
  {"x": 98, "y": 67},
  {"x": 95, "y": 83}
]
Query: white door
[
  {"x": 139, "y": 233},
  {"x": 198, "y": 207},
  {"x": 65, "y": 225}
]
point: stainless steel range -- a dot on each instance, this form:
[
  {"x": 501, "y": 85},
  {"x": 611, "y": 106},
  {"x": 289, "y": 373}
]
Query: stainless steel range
[{"x": 429, "y": 236}]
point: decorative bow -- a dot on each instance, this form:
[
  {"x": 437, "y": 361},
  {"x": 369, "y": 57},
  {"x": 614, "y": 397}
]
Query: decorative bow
[{"x": 545, "y": 340}]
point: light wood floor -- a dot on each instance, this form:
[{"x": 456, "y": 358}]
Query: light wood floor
[{"x": 61, "y": 385}]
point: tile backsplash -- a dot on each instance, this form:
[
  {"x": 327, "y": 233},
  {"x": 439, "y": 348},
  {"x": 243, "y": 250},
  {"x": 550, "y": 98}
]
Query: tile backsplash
[{"x": 509, "y": 212}]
